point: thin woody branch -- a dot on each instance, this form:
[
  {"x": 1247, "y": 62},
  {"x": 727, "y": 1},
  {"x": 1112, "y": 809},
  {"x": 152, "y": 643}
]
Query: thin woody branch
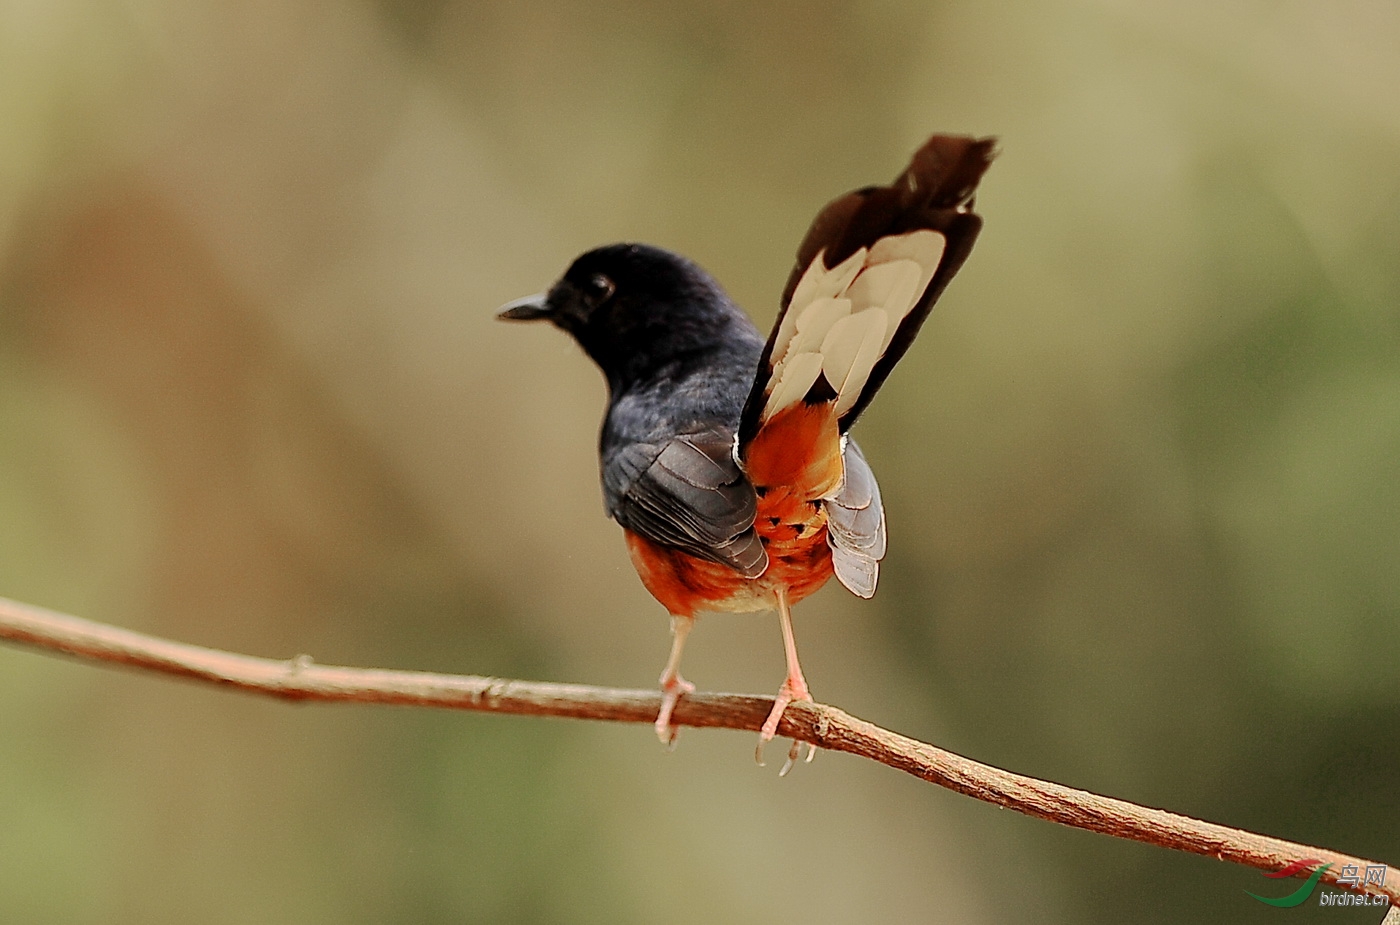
[{"x": 822, "y": 725}]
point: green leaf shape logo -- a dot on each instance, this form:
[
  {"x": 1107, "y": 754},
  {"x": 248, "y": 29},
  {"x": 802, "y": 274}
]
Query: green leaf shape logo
[{"x": 1298, "y": 896}]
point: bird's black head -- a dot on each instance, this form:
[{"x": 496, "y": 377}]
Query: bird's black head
[{"x": 638, "y": 310}]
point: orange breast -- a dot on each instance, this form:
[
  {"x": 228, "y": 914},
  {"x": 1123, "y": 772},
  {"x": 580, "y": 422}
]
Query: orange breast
[{"x": 793, "y": 461}]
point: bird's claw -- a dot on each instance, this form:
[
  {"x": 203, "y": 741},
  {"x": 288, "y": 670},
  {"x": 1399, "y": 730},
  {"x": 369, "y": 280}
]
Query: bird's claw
[
  {"x": 672, "y": 690},
  {"x": 794, "y": 750},
  {"x": 793, "y": 755},
  {"x": 786, "y": 695}
]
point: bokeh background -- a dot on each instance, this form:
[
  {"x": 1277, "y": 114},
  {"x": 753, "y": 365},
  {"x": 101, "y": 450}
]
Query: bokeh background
[{"x": 1141, "y": 468}]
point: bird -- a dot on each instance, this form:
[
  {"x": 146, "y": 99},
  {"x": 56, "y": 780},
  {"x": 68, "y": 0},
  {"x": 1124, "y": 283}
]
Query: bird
[{"x": 726, "y": 457}]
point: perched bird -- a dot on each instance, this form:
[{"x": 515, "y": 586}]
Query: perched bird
[{"x": 725, "y": 457}]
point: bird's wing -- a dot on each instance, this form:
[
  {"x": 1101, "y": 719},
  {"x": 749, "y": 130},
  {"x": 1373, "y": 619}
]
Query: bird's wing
[
  {"x": 867, "y": 275},
  {"x": 690, "y": 494},
  {"x": 855, "y": 521}
]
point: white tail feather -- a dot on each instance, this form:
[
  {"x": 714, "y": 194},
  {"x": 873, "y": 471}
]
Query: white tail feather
[
  {"x": 813, "y": 322},
  {"x": 798, "y": 374},
  {"x": 840, "y": 321},
  {"x": 893, "y": 287},
  {"x": 818, "y": 282},
  {"x": 849, "y": 351},
  {"x": 924, "y": 247}
]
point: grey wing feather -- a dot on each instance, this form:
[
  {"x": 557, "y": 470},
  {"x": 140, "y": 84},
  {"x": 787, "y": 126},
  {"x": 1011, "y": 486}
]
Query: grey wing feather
[
  {"x": 856, "y": 526},
  {"x": 857, "y": 572},
  {"x": 687, "y": 493}
]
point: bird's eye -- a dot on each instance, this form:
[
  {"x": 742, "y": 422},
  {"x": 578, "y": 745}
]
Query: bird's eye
[{"x": 599, "y": 289}]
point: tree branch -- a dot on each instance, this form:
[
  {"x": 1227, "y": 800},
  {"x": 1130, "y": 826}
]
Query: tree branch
[{"x": 822, "y": 725}]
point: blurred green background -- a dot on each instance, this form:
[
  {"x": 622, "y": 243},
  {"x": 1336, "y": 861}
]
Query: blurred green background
[{"x": 1141, "y": 468}]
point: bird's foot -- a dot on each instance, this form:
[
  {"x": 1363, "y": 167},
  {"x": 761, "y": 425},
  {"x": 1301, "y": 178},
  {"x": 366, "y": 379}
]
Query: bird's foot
[
  {"x": 790, "y": 692},
  {"x": 672, "y": 688}
]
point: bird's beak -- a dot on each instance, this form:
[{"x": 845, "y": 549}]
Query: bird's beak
[{"x": 531, "y": 308}]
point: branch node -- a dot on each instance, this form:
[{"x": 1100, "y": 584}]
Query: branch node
[{"x": 489, "y": 694}]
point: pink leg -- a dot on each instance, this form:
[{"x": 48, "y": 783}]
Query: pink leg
[
  {"x": 794, "y": 688},
  {"x": 672, "y": 684}
]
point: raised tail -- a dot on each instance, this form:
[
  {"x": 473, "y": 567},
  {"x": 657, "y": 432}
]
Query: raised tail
[{"x": 867, "y": 274}]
